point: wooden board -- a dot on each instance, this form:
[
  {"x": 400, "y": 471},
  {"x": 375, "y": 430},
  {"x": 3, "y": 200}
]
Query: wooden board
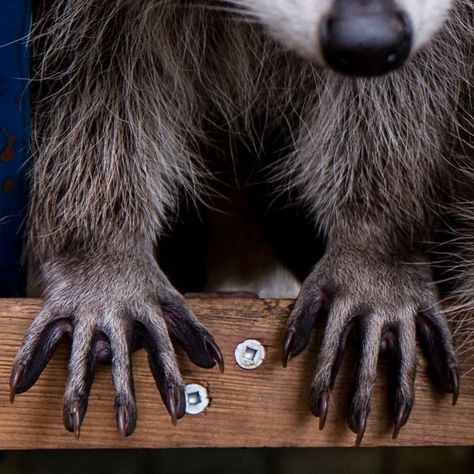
[{"x": 264, "y": 407}]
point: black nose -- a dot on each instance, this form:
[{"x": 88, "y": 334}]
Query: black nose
[{"x": 367, "y": 45}]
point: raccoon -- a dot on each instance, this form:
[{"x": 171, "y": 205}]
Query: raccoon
[{"x": 351, "y": 108}]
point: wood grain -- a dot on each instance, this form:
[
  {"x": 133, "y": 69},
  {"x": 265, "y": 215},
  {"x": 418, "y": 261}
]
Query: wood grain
[{"x": 264, "y": 407}]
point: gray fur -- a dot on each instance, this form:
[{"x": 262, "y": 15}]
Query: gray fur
[{"x": 126, "y": 92}]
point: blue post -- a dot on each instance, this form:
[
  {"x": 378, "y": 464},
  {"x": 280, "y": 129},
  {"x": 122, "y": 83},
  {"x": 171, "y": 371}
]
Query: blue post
[{"x": 15, "y": 18}]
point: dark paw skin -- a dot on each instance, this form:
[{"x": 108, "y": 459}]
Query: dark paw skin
[
  {"x": 388, "y": 303},
  {"x": 110, "y": 308}
]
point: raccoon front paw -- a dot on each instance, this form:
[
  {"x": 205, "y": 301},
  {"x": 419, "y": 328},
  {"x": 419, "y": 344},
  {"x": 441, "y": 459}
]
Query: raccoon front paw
[
  {"x": 388, "y": 303},
  {"x": 109, "y": 310}
]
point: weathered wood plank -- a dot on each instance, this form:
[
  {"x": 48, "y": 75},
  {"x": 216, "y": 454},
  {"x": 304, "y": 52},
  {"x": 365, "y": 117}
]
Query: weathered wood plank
[{"x": 264, "y": 407}]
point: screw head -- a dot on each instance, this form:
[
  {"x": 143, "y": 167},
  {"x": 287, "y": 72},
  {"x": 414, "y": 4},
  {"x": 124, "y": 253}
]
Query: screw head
[
  {"x": 197, "y": 399},
  {"x": 249, "y": 354}
]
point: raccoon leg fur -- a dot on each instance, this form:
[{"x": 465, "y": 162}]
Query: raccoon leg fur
[
  {"x": 108, "y": 163},
  {"x": 458, "y": 257}
]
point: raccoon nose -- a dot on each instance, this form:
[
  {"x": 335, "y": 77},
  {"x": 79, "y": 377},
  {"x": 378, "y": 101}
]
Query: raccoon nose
[{"x": 367, "y": 45}]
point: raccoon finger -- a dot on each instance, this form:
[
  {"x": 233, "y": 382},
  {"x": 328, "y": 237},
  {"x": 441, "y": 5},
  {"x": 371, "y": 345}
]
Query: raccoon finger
[
  {"x": 80, "y": 376},
  {"x": 37, "y": 349},
  {"x": 337, "y": 329},
  {"x": 164, "y": 367},
  {"x": 301, "y": 321},
  {"x": 436, "y": 342},
  {"x": 365, "y": 377},
  {"x": 399, "y": 343},
  {"x": 191, "y": 335},
  {"x": 122, "y": 378}
]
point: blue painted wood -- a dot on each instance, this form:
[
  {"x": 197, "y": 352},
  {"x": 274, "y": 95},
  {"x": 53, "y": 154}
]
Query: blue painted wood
[{"x": 15, "y": 19}]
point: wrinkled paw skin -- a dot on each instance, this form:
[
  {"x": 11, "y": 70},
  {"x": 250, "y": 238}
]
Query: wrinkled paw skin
[
  {"x": 108, "y": 314},
  {"x": 386, "y": 304}
]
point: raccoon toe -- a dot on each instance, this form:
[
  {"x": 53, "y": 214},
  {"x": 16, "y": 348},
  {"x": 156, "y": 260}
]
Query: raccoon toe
[
  {"x": 302, "y": 320},
  {"x": 45, "y": 333},
  {"x": 190, "y": 334},
  {"x": 436, "y": 342},
  {"x": 89, "y": 346}
]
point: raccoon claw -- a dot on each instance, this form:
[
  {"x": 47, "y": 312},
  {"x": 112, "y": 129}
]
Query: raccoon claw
[
  {"x": 215, "y": 353},
  {"x": 74, "y": 412},
  {"x": 76, "y": 422},
  {"x": 400, "y": 419},
  {"x": 172, "y": 404},
  {"x": 288, "y": 347},
  {"x": 17, "y": 374},
  {"x": 360, "y": 427},
  {"x": 319, "y": 407},
  {"x": 455, "y": 385}
]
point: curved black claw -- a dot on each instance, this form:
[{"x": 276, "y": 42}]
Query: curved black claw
[
  {"x": 16, "y": 376},
  {"x": 455, "y": 384},
  {"x": 361, "y": 426},
  {"x": 319, "y": 404},
  {"x": 288, "y": 346},
  {"x": 215, "y": 353},
  {"x": 361, "y": 431},
  {"x": 323, "y": 409},
  {"x": 401, "y": 417},
  {"x": 76, "y": 421},
  {"x": 172, "y": 404},
  {"x": 73, "y": 413}
]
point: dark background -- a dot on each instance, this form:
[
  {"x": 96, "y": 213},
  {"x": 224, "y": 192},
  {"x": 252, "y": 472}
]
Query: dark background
[{"x": 452, "y": 460}]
